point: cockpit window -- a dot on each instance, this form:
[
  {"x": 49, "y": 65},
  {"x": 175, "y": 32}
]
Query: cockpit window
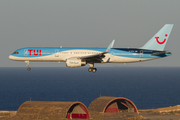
[{"x": 16, "y": 53}]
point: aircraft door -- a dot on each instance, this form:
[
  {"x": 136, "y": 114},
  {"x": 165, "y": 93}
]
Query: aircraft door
[
  {"x": 141, "y": 54},
  {"x": 56, "y": 53},
  {"x": 25, "y": 52}
]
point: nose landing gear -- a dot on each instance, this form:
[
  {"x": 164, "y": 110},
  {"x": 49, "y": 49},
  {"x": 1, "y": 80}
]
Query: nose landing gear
[
  {"x": 28, "y": 68},
  {"x": 28, "y": 65}
]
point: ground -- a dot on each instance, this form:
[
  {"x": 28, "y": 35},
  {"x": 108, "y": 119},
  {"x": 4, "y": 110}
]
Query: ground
[{"x": 168, "y": 113}]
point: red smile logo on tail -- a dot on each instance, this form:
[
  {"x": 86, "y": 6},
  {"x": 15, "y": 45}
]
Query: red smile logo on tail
[{"x": 162, "y": 41}]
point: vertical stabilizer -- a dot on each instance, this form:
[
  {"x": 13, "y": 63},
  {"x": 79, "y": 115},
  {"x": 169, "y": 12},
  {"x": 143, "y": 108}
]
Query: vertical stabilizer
[{"x": 159, "y": 40}]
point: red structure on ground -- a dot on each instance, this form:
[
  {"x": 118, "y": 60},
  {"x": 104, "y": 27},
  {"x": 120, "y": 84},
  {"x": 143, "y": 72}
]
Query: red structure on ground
[
  {"x": 113, "y": 107},
  {"x": 107, "y": 104},
  {"x": 78, "y": 110}
]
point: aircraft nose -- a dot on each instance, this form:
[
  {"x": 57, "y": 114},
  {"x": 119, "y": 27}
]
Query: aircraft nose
[{"x": 11, "y": 57}]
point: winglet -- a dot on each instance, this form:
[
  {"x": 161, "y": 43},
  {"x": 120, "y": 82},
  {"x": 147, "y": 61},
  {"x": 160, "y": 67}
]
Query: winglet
[{"x": 110, "y": 46}]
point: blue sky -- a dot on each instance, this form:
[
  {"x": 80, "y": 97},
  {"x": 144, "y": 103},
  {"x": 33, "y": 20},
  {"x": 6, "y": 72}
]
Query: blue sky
[{"x": 90, "y": 23}]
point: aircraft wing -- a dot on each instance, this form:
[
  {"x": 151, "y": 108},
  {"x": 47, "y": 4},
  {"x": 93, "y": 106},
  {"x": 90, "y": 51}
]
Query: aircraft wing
[
  {"x": 97, "y": 57},
  {"x": 93, "y": 56}
]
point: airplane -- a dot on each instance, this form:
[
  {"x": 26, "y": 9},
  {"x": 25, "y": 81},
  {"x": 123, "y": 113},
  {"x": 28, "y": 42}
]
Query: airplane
[{"x": 77, "y": 57}]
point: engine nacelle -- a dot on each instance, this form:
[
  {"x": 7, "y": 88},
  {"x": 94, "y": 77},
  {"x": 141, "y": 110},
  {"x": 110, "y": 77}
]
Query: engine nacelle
[{"x": 75, "y": 63}]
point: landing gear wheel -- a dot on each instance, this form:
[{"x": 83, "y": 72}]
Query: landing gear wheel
[
  {"x": 90, "y": 69},
  {"x": 28, "y": 65},
  {"x": 94, "y": 70},
  {"x": 28, "y": 69}
]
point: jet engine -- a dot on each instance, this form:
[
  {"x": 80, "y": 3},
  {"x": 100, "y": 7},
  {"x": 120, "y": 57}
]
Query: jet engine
[{"x": 75, "y": 63}]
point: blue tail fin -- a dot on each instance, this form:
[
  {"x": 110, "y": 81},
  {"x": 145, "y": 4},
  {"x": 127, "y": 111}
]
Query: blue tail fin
[{"x": 159, "y": 40}]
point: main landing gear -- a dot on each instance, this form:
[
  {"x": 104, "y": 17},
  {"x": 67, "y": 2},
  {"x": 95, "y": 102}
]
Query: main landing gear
[
  {"x": 92, "y": 69},
  {"x": 28, "y": 65}
]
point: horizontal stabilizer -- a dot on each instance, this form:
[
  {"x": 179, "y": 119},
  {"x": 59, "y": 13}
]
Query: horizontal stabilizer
[{"x": 161, "y": 53}]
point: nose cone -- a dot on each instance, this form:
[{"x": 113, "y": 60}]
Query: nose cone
[{"x": 11, "y": 57}]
